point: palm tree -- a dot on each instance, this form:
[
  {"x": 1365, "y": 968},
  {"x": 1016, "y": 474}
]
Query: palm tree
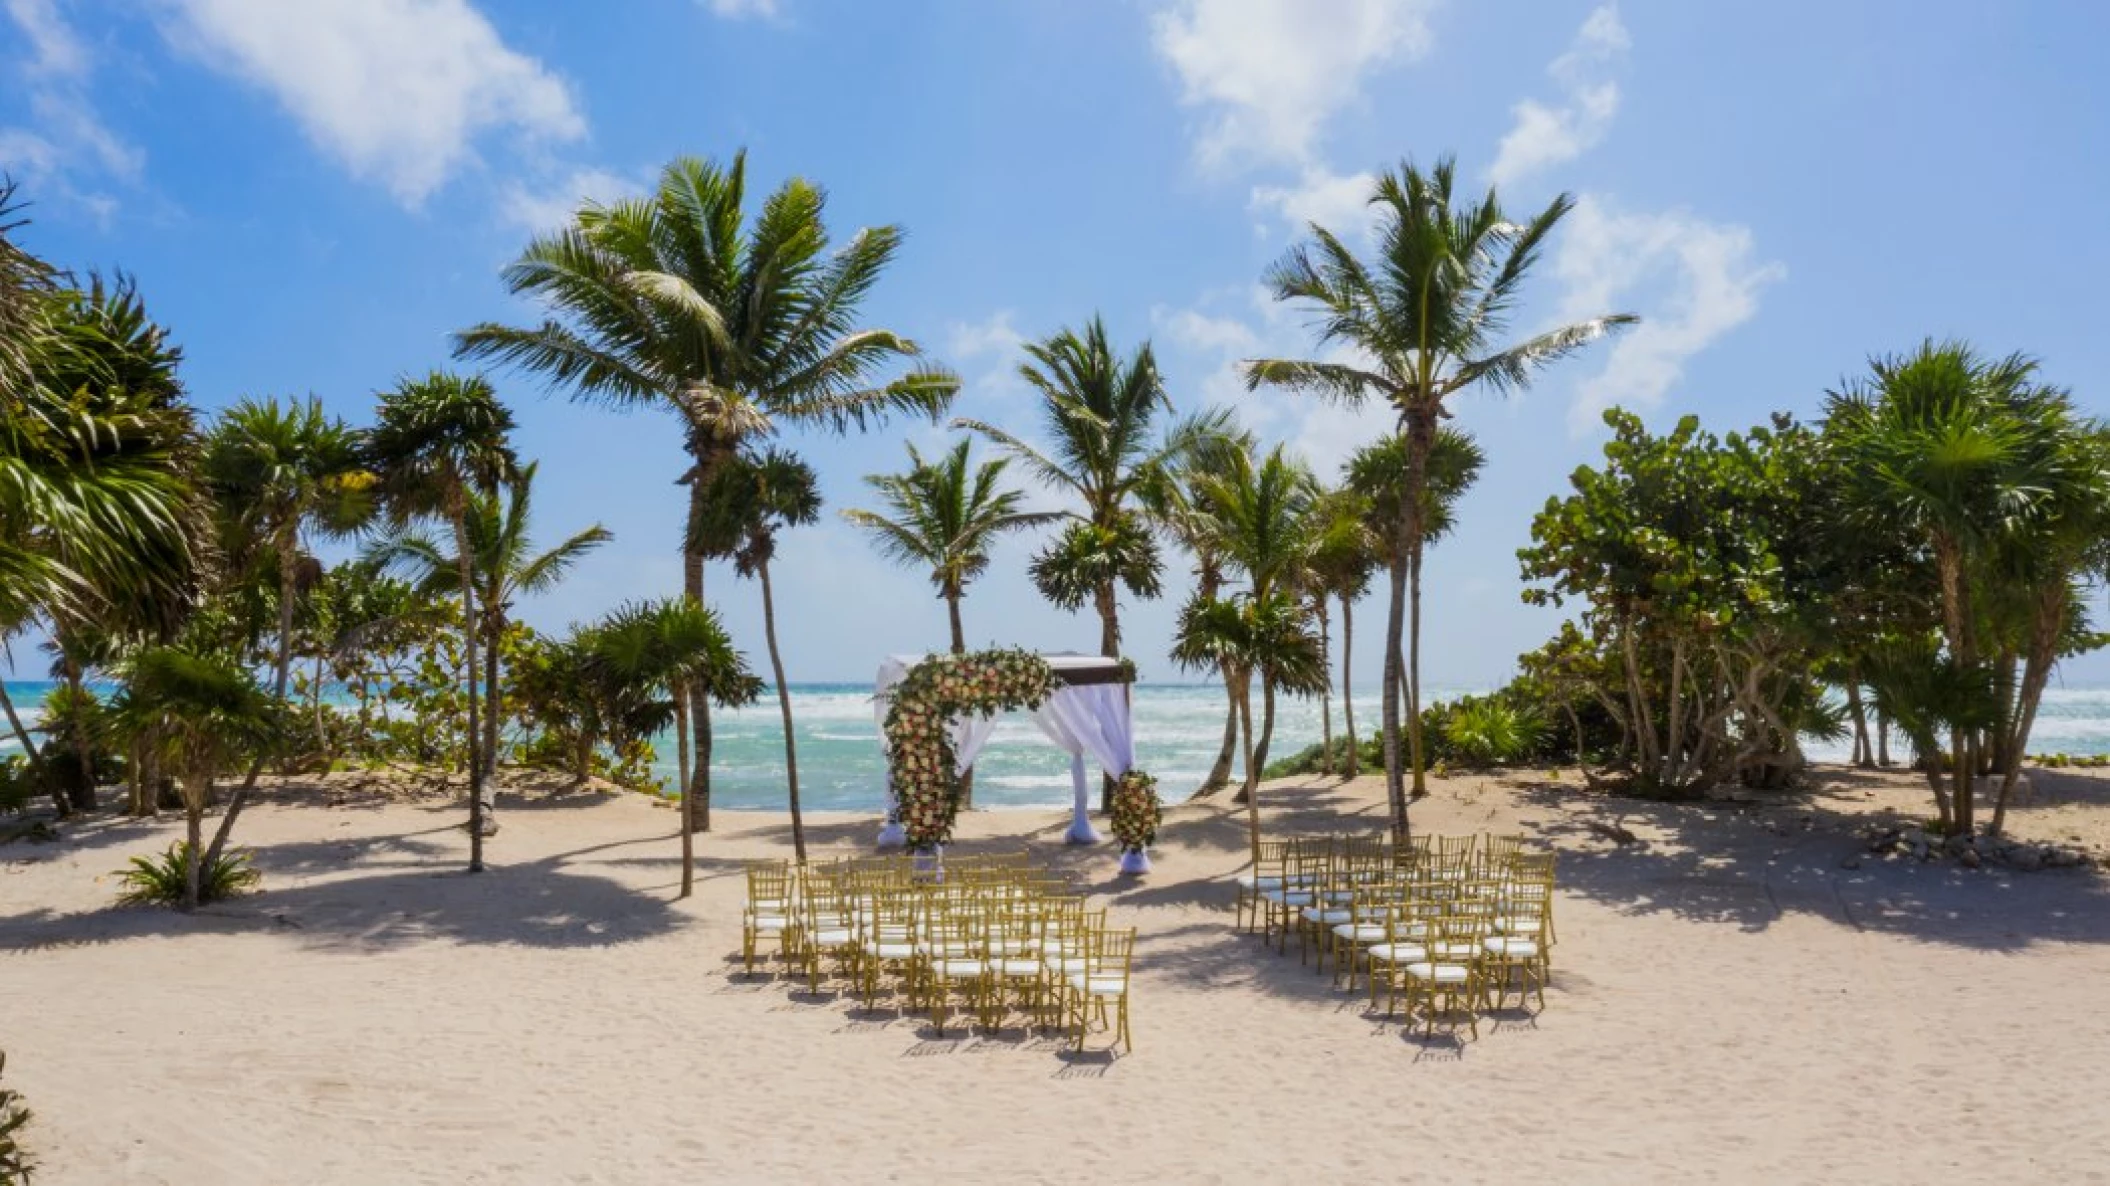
[
  {"x": 751, "y": 500},
  {"x": 1378, "y": 471},
  {"x": 502, "y": 564},
  {"x": 1179, "y": 511},
  {"x": 1422, "y": 322},
  {"x": 945, "y": 516},
  {"x": 675, "y": 645},
  {"x": 278, "y": 472},
  {"x": 1964, "y": 453},
  {"x": 201, "y": 713},
  {"x": 1344, "y": 554},
  {"x": 1260, "y": 518},
  {"x": 1102, "y": 412},
  {"x": 435, "y": 444},
  {"x": 1266, "y": 638},
  {"x": 103, "y": 449},
  {"x": 678, "y": 300}
]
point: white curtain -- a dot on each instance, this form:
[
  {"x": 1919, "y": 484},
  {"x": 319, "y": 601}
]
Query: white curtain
[{"x": 1091, "y": 719}]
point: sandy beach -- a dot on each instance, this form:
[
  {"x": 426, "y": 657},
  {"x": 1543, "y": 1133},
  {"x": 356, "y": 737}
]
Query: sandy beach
[{"x": 1728, "y": 1000}]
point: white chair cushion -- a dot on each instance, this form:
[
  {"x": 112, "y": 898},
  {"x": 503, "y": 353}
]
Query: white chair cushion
[
  {"x": 890, "y": 950},
  {"x": 1288, "y": 897},
  {"x": 1018, "y": 967},
  {"x": 767, "y": 925},
  {"x": 1325, "y": 917},
  {"x": 1512, "y": 947},
  {"x": 960, "y": 967},
  {"x": 1100, "y": 984},
  {"x": 1398, "y": 953},
  {"x": 833, "y": 938},
  {"x": 1440, "y": 973},
  {"x": 1518, "y": 924},
  {"x": 1360, "y": 932},
  {"x": 1248, "y": 881},
  {"x": 1065, "y": 965}
]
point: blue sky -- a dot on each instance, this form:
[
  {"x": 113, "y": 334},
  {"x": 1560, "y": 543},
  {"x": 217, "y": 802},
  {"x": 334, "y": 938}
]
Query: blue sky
[{"x": 313, "y": 194}]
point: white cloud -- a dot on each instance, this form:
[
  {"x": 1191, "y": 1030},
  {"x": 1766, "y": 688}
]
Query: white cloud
[
  {"x": 735, "y": 9},
  {"x": 1215, "y": 337},
  {"x": 550, "y": 207},
  {"x": 1691, "y": 280},
  {"x": 66, "y": 138},
  {"x": 1547, "y": 135},
  {"x": 994, "y": 336},
  {"x": 1272, "y": 71},
  {"x": 397, "y": 90},
  {"x": 56, "y": 51},
  {"x": 1340, "y": 202}
]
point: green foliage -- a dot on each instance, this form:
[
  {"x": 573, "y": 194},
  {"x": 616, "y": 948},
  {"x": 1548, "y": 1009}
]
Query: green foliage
[
  {"x": 18, "y": 783},
  {"x": 944, "y": 516},
  {"x": 15, "y": 1162},
  {"x": 160, "y": 880},
  {"x": 1493, "y": 732}
]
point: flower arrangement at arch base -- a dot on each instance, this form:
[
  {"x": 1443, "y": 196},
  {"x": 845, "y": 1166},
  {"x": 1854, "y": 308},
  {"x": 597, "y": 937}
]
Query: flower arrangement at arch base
[
  {"x": 1137, "y": 814},
  {"x": 920, "y": 754}
]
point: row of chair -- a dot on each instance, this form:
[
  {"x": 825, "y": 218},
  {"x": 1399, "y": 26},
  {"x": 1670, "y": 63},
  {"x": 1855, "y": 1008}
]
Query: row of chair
[
  {"x": 992, "y": 936},
  {"x": 1441, "y": 926}
]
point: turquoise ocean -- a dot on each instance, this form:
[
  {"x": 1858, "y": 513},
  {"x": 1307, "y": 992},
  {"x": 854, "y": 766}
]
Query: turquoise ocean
[{"x": 1178, "y": 729}]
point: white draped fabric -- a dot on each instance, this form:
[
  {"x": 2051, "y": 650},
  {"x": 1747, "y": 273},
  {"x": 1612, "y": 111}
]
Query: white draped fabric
[{"x": 1084, "y": 720}]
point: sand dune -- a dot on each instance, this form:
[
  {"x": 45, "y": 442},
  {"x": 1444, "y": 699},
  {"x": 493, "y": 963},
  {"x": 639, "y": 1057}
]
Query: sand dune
[{"x": 1728, "y": 1001}]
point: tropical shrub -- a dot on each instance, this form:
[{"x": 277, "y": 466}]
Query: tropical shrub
[
  {"x": 159, "y": 880},
  {"x": 15, "y": 1164},
  {"x": 1493, "y": 732}
]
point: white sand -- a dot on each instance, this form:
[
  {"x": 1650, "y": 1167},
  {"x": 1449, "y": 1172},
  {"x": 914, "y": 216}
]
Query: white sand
[{"x": 1728, "y": 1003}]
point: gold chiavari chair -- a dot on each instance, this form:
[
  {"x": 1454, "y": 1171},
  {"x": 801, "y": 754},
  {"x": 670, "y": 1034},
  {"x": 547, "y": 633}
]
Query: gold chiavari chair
[
  {"x": 1103, "y": 982},
  {"x": 1408, "y": 926},
  {"x": 887, "y": 941},
  {"x": 827, "y": 929},
  {"x": 1453, "y": 973},
  {"x": 1517, "y": 945},
  {"x": 953, "y": 958},
  {"x": 1266, "y": 874},
  {"x": 766, "y": 916}
]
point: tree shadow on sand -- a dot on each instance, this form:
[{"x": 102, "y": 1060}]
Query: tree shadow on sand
[{"x": 1750, "y": 864}]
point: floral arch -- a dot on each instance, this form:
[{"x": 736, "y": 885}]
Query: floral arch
[{"x": 938, "y": 711}]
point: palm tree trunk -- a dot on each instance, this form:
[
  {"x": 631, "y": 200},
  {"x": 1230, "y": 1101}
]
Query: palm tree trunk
[
  {"x": 1109, "y": 646},
  {"x": 1326, "y": 692},
  {"x": 1389, "y": 700},
  {"x": 1956, "y": 629},
  {"x": 1252, "y": 801},
  {"x": 1864, "y": 750},
  {"x": 959, "y": 647},
  {"x": 491, "y": 701},
  {"x": 288, "y": 558},
  {"x": 322, "y": 734},
  {"x": 14, "y": 721},
  {"x": 478, "y": 809},
  {"x": 1220, "y": 771},
  {"x": 1421, "y": 441},
  {"x": 1354, "y": 764},
  {"x": 1267, "y": 734},
  {"x": 194, "y": 832},
  {"x": 688, "y": 803},
  {"x": 699, "y": 701},
  {"x": 791, "y": 751}
]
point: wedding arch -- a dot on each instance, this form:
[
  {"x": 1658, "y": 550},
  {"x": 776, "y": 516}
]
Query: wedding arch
[{"x": 937, "y": 712}]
